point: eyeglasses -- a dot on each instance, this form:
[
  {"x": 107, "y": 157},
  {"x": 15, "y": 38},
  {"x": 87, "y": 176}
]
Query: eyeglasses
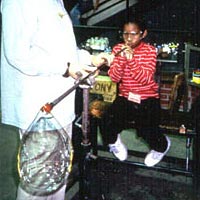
[{"x": 132, "y": 33}]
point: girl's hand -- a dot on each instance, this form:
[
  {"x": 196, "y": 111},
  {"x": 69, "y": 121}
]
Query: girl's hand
[{"x": 128, "y": 52}]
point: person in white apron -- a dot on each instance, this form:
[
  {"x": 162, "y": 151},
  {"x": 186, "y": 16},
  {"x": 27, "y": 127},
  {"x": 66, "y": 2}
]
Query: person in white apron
[{"x": 38, "y": 42}]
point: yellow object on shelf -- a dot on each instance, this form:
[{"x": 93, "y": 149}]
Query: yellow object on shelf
[{"x": 196, "y": 76}]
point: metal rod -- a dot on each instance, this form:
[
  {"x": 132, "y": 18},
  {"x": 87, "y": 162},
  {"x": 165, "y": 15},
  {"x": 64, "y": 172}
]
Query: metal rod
[
  {"x": 160, "y": 168},
  {"x": 127, "y": 10},
  {"x": 85, "y": 115}
]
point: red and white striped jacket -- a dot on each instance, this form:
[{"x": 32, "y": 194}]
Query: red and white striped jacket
[{"x": 137, "y": 74}]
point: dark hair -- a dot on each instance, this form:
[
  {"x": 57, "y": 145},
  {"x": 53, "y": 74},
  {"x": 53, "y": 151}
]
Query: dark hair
[{"x": 139, "y": 22}]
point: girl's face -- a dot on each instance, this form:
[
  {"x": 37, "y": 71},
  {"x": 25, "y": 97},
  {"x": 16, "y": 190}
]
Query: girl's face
[{"x": 132, "y": 35}]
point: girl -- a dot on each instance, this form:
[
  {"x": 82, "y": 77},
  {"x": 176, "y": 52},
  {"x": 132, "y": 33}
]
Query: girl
[{"x": 138, "y": 97}]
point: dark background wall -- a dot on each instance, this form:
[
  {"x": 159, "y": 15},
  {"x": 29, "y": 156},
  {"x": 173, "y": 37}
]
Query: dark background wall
[{"x": 180, "y": 18}]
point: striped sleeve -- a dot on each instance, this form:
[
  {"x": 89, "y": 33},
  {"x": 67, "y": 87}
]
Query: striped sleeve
[{"x": 116, "y": 70}]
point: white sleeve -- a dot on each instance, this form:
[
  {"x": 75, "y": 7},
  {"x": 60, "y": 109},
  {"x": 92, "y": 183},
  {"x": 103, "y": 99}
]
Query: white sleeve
[
  {"x": 84, "y": 57},
  {"x": 19, "y": 24}
]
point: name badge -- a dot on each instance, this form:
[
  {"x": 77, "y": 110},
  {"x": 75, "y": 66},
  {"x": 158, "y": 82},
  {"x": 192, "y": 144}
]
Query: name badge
[{"x": 136, "y": 98}]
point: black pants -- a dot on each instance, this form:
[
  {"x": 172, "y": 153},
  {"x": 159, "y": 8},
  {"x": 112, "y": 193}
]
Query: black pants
[{"x": 145, "y": 116}]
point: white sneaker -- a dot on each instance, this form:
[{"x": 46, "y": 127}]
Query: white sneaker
[
  {"x": 119, "y": 149},
  {"x": 154, "y": 157}
]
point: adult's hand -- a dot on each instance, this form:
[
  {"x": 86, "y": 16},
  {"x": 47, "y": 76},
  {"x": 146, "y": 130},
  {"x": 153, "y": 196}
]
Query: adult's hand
[{"x": 102, "y": 58}]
